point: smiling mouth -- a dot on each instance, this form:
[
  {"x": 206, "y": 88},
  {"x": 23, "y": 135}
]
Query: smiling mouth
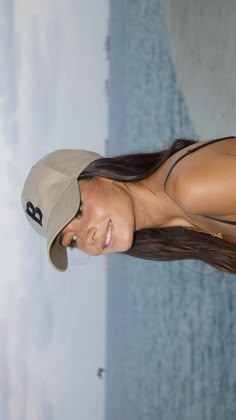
[{"x": 108, "y": 237}]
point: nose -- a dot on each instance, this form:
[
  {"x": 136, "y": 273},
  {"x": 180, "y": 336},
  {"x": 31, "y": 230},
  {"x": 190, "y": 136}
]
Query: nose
[{"x": 91, "y": 235}]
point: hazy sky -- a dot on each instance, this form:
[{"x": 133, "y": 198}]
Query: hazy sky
[{"x": 52, "y": 325}]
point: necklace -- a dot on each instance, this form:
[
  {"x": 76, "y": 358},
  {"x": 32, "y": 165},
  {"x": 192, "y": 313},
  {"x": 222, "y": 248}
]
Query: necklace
[{"x": 204, "y": 230}]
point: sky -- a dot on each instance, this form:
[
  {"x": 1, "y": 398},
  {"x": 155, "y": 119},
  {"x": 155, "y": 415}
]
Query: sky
[{"x": 52, "y": 324}]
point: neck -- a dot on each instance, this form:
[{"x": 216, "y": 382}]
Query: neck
[{"x": 152, "y": 207}]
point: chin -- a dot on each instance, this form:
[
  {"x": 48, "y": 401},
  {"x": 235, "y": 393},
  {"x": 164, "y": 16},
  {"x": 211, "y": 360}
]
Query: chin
[
  {"x": 128, "y": 244},
  {"x": 124, "y": 239}
]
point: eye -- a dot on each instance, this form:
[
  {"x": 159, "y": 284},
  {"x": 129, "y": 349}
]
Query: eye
[
  {"x": 80, "y": 211},
  {"x": 73, "y": 242}
]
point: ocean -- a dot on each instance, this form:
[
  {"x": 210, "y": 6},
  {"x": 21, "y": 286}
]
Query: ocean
[{"x": 171, "y": 333}]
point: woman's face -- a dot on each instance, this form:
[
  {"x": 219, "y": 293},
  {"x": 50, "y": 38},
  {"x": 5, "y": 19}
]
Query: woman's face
[{"x": 105, "y": 221}]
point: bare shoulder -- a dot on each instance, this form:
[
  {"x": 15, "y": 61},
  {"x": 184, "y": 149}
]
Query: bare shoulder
[{"x": 192, "y": 176}]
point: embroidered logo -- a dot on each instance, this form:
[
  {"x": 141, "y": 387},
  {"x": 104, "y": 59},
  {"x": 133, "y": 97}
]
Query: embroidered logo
[{"x": 34, "y": 212}]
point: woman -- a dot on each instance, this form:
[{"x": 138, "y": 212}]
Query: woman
[{"x": 179, "y": 203}]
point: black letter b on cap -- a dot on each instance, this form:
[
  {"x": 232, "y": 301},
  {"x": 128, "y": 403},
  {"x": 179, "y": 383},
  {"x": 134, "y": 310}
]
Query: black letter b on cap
[{"x": 34, "y": 212}]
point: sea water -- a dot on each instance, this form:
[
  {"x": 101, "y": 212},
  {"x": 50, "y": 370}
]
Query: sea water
[{"x": 171, "y": 334}]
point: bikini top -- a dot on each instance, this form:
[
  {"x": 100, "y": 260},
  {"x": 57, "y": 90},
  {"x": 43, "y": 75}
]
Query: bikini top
[{"x": 229, "y": 222}]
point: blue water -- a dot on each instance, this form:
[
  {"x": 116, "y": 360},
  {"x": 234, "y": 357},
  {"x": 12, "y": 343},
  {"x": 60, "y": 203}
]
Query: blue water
[{"x": 171, "y": 335}]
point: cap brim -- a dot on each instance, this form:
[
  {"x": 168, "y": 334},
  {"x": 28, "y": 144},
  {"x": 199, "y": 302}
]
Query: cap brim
[
  {"x": 63, "y": 212},
  {"x": 58, "y": 256}
]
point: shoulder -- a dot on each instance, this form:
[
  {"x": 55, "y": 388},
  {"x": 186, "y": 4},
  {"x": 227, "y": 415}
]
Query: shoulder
[{"x": 200, "y": 175}]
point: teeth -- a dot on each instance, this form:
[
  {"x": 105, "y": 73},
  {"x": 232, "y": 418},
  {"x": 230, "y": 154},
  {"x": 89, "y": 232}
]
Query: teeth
[{"x": 108, "y": 234}]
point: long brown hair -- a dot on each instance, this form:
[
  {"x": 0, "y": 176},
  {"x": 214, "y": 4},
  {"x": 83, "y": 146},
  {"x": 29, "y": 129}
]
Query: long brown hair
[{"x": 163, "y": 244}]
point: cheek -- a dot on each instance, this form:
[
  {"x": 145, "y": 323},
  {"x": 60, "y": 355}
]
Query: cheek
[
  {"x": 93, "y": 214},
  {"x": 97, "y": 207}
]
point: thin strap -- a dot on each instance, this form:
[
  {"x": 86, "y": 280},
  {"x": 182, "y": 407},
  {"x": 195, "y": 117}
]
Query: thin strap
[
  {"x": 192, "y": 151},
  {"x": 229, "y": 222}
]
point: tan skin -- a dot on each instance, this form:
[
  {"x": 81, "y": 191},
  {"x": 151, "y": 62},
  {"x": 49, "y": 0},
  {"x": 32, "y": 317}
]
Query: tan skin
[{"x": 201, "y": 184}]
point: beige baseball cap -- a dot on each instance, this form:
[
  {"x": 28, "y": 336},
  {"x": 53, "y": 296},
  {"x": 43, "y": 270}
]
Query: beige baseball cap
[{"x": 51, "y": 196}]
